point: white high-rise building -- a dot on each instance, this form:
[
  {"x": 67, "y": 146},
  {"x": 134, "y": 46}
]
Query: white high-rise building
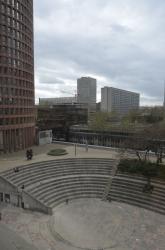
[
  {"x": 86, "y": 92},
  {"x": 118, "y": 100}
]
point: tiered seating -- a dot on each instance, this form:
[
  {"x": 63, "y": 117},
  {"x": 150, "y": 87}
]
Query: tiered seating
[
  {"x": 30, "y": 174},
  {"x": 129, "y": 189},
  {"x": 70, "y": 187},
  {"x": 53, "y": 182},
  {"x": 138, "y": 177}
]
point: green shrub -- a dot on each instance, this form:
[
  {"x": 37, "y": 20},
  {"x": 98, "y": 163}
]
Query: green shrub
[
  {"x": 57, "y": 152},
  {"x": 161, "y": 173},
  {"x": 130, "y": 166},
  {"x": 150, "y": 170},
  {"x": 145, "y": 168}
]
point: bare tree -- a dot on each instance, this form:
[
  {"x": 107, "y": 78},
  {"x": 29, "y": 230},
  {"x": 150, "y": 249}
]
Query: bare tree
[
  {"x": 139, "y": 145},
  {"x": 156, "y": 139},
  {"x": 150, "y": 139}
]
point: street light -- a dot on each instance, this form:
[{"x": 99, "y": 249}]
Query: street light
[{"x": 86, "y": 146}]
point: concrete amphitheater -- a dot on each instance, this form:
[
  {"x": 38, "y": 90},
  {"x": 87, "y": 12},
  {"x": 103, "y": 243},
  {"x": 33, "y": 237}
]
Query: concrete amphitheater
[{"x": 81, "y": 203}]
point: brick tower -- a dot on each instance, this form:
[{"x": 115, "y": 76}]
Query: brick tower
[{"x": 17, "y": 108}]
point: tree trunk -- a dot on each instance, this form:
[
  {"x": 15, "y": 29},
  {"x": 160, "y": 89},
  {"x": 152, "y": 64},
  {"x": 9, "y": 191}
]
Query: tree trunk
[
  {"x": 146, "y": 154},
  {"x": 138, "y": 155},
  {"x": 157, "y": 158},
  {"x": 148, "y": 181},
  {"x": 161, "y": 156}
]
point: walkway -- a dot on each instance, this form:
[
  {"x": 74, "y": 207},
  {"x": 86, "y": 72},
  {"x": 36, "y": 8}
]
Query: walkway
[{"x": 40, "y": 154}]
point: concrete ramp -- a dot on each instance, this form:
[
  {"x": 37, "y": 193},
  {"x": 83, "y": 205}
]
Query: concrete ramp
[{"x": 11, "y": 194}]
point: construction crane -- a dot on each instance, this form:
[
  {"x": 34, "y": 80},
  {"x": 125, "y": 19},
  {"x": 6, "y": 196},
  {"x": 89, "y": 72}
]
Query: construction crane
[{"x": 71, "y": 93}]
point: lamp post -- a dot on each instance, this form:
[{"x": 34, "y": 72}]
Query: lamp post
[{"x": 86, "y": 146}]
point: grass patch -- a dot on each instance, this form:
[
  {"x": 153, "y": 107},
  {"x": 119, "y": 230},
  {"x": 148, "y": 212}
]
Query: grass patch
[
  {"x": 145, "y": 168},
  {"x": 57, "y": 152}
]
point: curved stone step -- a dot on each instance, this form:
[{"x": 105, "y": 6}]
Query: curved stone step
[
  {"x": 137, "y": 203},
  {"x": 72, "y": 189}
]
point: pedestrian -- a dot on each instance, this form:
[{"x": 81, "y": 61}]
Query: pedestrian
[
  {"x": 109, "y": 198},
  {"x": 31, "y": 153},
  {"x": 16, "y": 170},
  {"x": 27, "y": 154}
]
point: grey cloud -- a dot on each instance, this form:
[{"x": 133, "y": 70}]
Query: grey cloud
[
  {"x": 49, "y": 78},
  {"x": 126, "y": 53},
  {"x": 119, "y": 28}
]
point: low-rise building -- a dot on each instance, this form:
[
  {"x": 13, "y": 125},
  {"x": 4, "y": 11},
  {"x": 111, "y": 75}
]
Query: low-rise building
[
  {"x": 59, "y": 118},
  {"x": 57, "y": 100}
]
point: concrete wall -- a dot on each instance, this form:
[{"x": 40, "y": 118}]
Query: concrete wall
[
  {"x": 32, "y": 204},
  {"x": 19, "y": 196},
  {"x": 8, "y": 189}
]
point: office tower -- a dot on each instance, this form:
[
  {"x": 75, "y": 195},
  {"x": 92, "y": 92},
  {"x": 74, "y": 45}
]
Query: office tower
[
  {"x": 118, "y": 100},
  {"x": 17, "y": 110},
  {"x": 86, "y": 92}
]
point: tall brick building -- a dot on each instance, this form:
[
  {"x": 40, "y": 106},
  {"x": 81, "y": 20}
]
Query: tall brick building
[{"x": 17, "y": 110}]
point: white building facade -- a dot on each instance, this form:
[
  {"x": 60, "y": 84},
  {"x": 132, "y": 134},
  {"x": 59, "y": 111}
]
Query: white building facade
[
  {"x": 119, "y": 100},
  {"x": 86, "y": 92},
  {"x": 58, "y": 100}
]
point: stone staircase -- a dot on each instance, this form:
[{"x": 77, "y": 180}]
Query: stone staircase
[{"x": 109, "y": 183}]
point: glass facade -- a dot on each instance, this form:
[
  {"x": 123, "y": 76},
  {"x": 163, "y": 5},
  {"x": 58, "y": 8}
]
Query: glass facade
[{"x": 17, "y": 110}]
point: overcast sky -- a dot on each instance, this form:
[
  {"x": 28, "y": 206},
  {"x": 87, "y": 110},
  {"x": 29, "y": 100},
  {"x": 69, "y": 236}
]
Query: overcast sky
[{"x": 119, "y": 42}]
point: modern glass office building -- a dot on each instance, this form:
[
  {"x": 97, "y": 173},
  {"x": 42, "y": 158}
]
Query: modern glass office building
[{"x": 17, "y": 107}]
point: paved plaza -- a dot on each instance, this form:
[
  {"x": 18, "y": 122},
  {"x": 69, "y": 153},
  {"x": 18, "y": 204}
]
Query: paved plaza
[
  {"x": 89, "y": 224},
  {"x": 9, "y": 240},
  {"x": 40, "y": 154},
  {"x": 15, "y": 159}
]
